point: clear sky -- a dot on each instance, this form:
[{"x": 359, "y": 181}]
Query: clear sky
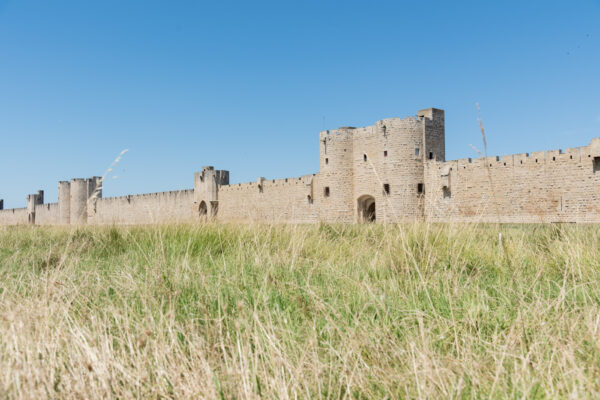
[{"x": 246, "y": 86}]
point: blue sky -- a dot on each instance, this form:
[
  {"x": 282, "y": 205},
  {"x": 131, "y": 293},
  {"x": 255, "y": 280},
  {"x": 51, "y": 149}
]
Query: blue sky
[{"x": 247, "y": 86}]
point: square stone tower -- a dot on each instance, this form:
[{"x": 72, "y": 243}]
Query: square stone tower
[{"x": 206, "y": 190}]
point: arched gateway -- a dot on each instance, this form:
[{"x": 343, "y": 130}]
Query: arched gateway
[
  {"x": 366, "y": 208},
  {"x": 202, "y": 209}
]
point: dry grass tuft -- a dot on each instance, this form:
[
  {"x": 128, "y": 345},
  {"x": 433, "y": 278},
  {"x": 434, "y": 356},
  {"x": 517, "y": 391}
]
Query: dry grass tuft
[{"x": 324, "y": 311}]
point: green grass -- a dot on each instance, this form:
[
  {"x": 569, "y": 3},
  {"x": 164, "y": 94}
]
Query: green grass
[{"x": 323, "y": 311}]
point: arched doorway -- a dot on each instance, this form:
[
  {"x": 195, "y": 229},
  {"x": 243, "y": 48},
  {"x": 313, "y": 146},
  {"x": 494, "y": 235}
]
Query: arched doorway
[
  {"x": 366, "y": 208},
  {"x": 202, "y": 209}
]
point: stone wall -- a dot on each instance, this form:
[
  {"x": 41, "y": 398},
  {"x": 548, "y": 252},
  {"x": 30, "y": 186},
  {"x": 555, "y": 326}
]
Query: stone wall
[
  {"x": 47, "y": 214},
  {"x": 13, "y": 216},
  {"x": 547, "y": 186},
  {"x": 151, "y": 208},
  {"x": 392, "y": 171},
  {"x": 271, "y": 200}
]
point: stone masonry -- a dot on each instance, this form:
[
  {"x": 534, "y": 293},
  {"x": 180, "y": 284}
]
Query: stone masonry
[{"x": 393, "y": 171}]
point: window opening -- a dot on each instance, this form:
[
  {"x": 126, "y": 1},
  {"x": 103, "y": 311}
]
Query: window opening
[{"x": 447, "y": 193}]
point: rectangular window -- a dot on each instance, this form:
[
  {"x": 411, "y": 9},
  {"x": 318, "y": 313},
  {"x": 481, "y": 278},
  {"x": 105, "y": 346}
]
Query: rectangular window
[
  {"x": 364, "y": 157},
  {"x": 420, "y": 188},
  {"x": 430, "y": 155},
  {"x": 326, "y": 191},
  {"x": 386, "y": 188},
  {"x": 416, "y": 151},
  {"x": 447, "y": 193},
  {"x": 385, "y": 153},
  {"x": 327, "y": 161},
  {"x": 596, "y": 164}
]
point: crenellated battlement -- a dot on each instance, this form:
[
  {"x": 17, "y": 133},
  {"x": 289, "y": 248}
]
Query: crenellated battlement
[
  {"x": 540, "y": 158},
  {"x": 392, "y": 171}
]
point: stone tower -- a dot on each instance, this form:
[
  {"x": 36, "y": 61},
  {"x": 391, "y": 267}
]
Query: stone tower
[
  {"x": 206, "y": 190},
  {"x": 75, "y": 197},
  {"x": 34, "y": 200},
  {"x": 377, "y": 172},
  {"x": 64, "y": 201}
]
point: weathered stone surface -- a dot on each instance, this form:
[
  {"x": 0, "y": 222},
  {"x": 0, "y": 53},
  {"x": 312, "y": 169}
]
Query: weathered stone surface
[{"x": 392, "y": 171}]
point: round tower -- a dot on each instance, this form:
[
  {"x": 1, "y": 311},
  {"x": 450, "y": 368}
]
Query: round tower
[
  {"x": 388, "y": 171},
  {"x": 64, "y": 201},
  {"x": 78, "y": 201},
  {"x": 388, "y": 165},
  {"x": 333, "y": 194}
]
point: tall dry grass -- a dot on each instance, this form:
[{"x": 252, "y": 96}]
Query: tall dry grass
[{"x": 324, "y": 311}]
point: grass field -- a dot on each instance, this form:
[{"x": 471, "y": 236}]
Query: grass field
[{"x": 324, "y": 311}]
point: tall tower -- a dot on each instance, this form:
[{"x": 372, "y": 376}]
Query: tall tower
[
  {"x": 334, "y": 194},
  {"x": 78, "y": 202},
  {"x": 435, "y": 137},
  {"x": 206, "y": 190},
  {"x": 33, "y": 200},
  {"x": 82, "y": 193},
  {"x": 377, "y": 172},
  {"x": 64, "y": 201}
]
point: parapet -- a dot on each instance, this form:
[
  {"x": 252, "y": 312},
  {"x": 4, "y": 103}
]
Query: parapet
[
  {"x": 349, "y": 132},
  {"x": 594, "y": 147},
  {"x": 207, "y": 182},
  {"x": 431, "y": 113}
]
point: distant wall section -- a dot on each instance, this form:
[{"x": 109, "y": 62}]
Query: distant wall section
[
  {"x": 47, "y": 214},
  {"x": 294, "y": 200},
  {"x": 151, "y": 208},
  {"x": 13, "y": 216},
  {"x": 547, "y": 186}
]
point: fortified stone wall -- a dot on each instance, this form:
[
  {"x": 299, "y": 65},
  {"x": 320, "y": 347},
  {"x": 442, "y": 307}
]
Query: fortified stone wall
[
  {"x": 392, "y": 171},
  {"x": 13, "y": 216},
  {"x": 546, "y": 186},
  {"x": 151, "y": 208},
  {"x": 272, "y": 200},
  {"x": 47, "y": 214}
]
